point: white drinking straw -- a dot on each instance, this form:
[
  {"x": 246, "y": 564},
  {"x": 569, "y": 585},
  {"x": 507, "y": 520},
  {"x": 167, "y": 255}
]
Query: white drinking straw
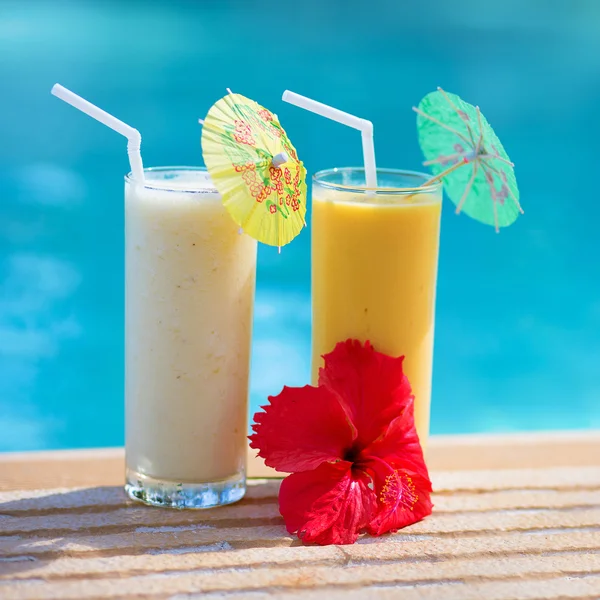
[
  {"x": 134, "y": 139},
  {"x": 365, "y": 127}
]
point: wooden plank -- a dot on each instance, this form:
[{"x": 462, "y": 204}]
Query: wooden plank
[
  {"x": 323, "y": 578},
  {"x": 499, "y": 534},
  {"x": 23, "y": 516},
  {"x": 559, "y": 587},
  {"x": 539, "y": 485},
  {"x": 107, "y": 538},
  {"x": 396, "y": 549},
  {"x": 61, "y": 468},
  {"x": 104, "y": 526},
  {"x": 17, "y": 518},
  {"x": 488, "y": 533},
  {"x": 105, "y": 467}
]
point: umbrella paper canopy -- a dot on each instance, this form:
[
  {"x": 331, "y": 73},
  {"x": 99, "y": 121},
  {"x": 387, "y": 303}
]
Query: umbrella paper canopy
[
  {"x": 462, "y": 149},
  {"x": 256, "y": 169}
]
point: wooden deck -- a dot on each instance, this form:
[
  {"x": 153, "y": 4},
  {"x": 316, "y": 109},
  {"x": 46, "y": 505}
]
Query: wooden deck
[{"x": 516, "y": 517}]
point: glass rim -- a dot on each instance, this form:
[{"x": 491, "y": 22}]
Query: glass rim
[
  {"x": 165, "y": 188},
  {"x": 319, "y": 176}
]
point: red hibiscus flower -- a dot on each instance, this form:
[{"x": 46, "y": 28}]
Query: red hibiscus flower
[{"x": 351, "y": 446}]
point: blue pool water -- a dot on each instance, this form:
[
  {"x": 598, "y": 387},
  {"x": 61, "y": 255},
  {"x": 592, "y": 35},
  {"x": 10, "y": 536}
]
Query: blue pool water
[{"x": 518, "y": 314}]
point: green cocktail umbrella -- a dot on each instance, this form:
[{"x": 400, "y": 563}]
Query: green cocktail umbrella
[{"x": 462, "y": 149}]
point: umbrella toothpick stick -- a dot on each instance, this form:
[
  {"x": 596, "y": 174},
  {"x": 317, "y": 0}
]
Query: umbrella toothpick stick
[
  {"x": 467, "y": 189},
  {"x": 459, "y": 113},
  {"x": 514, "y": 199},
  {"x": 490, "y": 179},
  {"x": 443, "y": 159},
  {"x": 495, "y": 157},
  {"x": 479, "y": 122},
  {"x": 510, "y": 192},
  {"x": 444, "y": 173},
  {"x": 495, "y": 206},
  {"x": 280, "y": 159},
  {"x": 442, "y": 125}
]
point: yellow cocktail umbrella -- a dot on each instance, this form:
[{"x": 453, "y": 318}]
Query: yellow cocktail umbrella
[{"x": 256, "y": 169}]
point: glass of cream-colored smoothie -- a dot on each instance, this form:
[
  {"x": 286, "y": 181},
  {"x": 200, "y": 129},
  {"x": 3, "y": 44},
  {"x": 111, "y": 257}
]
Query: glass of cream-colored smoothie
[
  {"x": 190, "y": 279},
  {"x": 374, "y": 270}
]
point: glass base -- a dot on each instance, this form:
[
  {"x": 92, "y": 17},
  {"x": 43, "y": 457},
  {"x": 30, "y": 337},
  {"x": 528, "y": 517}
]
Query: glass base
[{"x": 170, "y": 494}]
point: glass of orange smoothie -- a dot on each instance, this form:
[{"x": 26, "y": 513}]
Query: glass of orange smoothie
[{"x": 374, "y": 269}]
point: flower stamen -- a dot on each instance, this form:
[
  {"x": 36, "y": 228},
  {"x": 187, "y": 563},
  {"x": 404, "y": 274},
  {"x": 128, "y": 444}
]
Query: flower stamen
[{"x": 399, "y": 490}]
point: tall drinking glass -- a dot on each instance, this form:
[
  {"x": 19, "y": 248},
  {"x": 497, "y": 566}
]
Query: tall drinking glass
[
  {"x": 190, "y": 278},
  {"x": 374, "y": 270}
]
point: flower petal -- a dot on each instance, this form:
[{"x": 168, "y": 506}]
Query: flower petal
[
  {"x": 329, "y": 505},
  {"x": 400, "y": 444},
  {"x": 371, "y": 386},
  {"x": 396, "y": 463},
  {"x": 404, "y": 498},
  {"x": 302, "y": 428}
]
